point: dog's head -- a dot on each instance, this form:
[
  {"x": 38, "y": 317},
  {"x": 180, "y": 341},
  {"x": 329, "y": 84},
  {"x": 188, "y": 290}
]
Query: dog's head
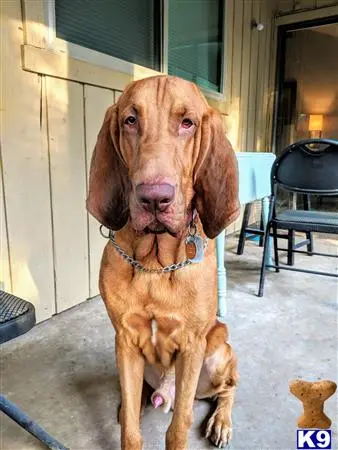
[{"x": 162, "y": 153}]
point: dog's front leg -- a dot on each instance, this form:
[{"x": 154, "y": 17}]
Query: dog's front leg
[
  {"x": 188, "y": 368},
  {"x": 131, "y": 370}
]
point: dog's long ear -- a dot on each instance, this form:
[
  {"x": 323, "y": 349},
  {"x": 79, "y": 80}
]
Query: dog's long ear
[
  {"x": 216, "y": 178},
  {"x": 109, "y": 185}
]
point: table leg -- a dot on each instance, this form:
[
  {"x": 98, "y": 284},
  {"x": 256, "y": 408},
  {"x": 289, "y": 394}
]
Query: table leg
[
  {"x": 265, "y": 208},
  {"x": 221, "y": 277}
]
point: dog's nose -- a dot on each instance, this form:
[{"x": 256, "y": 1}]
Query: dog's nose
[{"x": 155, "y": 197}]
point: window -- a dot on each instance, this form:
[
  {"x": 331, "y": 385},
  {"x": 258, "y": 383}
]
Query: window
[
  {"x": 128, "y": 30},
  {"x": 134, "y": 31},
  {"x": 195, "y": 38}
]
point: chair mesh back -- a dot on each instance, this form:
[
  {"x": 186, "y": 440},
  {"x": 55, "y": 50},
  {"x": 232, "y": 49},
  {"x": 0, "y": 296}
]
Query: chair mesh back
[{"x": 306, "y": 167}]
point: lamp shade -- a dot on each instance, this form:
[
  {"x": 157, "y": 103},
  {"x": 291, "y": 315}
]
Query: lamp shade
[{"x": 316, "y": 122}]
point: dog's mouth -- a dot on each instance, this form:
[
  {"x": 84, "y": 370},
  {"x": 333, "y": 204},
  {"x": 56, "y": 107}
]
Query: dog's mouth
[
  {"x": 161, "y": 226},
  {"x": 158, "y": 228},
  {"x": 162, "y": 223}
]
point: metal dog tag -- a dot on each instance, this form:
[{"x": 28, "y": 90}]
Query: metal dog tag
[{"x": 199, "y": 247}]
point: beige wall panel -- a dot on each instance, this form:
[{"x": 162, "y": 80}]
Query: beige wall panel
[
  {"x": 68, "y": 183},
  {"x": 264, "y": 89},
  {"x": 25, "y": 159},
  {"x": 262, "y": 61},
  {"x": 97, "y": 101},
  {"x": 35, "y": 31},
  {"x": 269, "y": 80},
  {"x": 270, "y": 75},
  {"x": 117, "y": 95},
  {"x": 245, "y": 76},
  {"x": 234, "y": 112},
  {"x": 229, "y": 43},
  {"x": 60, "y": 65},
  {"x": 5, "y": 274},
  {"x": 253, "y": 80}
]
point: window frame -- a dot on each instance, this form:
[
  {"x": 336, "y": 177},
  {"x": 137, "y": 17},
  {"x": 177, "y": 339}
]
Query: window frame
[{"x": 43, "y": 13}]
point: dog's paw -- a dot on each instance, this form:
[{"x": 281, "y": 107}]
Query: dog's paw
[{"x": 219, "y": 430}]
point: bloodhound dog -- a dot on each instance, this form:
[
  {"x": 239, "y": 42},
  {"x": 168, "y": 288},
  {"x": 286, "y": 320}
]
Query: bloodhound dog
[{"x": 163, "y": 180}]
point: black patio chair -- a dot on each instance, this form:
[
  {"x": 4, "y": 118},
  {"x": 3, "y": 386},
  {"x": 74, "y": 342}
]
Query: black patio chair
[
  {"x": 248, "y": 231},
  {"x": 17, "y": 316},
  {"x": 309, "y": 168}
]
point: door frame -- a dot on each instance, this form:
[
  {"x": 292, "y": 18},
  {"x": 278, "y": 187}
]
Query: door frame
[{"x": 283, "y": 24}]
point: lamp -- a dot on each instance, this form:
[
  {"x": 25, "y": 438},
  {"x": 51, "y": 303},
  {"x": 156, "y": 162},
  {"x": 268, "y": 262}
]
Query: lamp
[
  {"x": 315, "y": 125},
  {"x": 257, "y": 26}
]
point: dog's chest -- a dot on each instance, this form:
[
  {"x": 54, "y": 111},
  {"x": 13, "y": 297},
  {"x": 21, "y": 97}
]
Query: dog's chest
[{"x": 162, "y": 294}]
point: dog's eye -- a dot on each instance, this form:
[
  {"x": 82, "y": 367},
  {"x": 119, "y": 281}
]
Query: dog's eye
[
  {"x": 187, "y": 123},
  {"x": 130, "y": 120}
]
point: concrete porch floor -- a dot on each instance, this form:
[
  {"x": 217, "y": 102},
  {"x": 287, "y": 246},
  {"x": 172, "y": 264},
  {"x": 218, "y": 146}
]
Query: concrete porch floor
[{"x": 63, "y": 374}]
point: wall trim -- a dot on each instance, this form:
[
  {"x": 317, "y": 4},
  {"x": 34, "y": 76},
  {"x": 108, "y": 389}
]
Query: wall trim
[
  {"x": 304, "y": 16},
  {"x": 58, "y": 65}
]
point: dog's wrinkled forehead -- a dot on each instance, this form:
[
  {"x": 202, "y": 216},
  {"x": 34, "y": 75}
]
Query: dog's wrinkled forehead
[{"x": 163, "y": 91}]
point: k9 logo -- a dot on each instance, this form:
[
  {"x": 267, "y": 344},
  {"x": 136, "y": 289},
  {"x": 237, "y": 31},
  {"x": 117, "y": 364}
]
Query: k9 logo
[{"x": 316, "y": 439}]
